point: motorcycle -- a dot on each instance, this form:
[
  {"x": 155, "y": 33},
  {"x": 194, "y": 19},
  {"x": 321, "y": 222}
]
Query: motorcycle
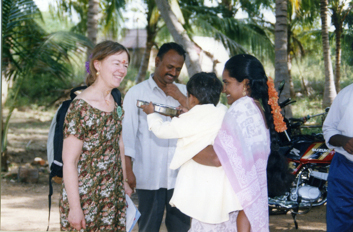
[{"x": 309, "y": 161}]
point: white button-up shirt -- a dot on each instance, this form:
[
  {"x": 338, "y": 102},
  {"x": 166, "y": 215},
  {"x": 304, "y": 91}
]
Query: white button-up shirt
[
  {"x": 151, "y": 156},
  {"x": 340, "y": 119}
]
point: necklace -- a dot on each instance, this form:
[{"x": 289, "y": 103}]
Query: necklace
[{"x": 107, "y": 101}]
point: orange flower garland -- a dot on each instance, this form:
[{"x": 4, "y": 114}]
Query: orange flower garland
[{"x": 280, "y": 125}]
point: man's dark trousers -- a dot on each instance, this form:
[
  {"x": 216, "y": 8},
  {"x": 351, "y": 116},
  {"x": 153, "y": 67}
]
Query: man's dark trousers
[
  {"x": 339, "y": 208},
  {"x": 151, "y": 206}
]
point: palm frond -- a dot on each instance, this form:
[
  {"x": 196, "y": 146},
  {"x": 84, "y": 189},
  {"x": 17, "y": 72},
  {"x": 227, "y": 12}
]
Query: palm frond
[
  {"x": 238, "y": 35},
  {"x": 27, "y": 48}
]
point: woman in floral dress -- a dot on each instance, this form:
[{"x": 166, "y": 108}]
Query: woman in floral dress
[{"x": 93, "y": 190}]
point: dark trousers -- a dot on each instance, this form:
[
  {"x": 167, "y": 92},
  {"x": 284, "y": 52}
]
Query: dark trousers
[
  {"x": 151, "y": 206},
  {"x": 339, "y": 208}
]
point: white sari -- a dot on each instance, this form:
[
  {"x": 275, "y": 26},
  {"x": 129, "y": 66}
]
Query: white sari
[{"x": 243, "y": 146}]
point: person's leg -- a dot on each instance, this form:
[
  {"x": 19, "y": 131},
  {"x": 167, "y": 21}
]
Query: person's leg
[
  {"x": 175, "y": 220},
  {"x": 339, "y": 208},
  {"x": 151, "y": 207},
  {"x": 243, "y": 224}
]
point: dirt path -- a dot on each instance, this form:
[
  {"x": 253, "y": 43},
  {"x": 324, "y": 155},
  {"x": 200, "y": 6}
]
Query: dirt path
[{"x": 24, "y": 206}]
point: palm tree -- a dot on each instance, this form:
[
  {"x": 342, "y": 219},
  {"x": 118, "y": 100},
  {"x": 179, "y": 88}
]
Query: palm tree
[
  {"x": 92, "y": 23},
  {"x": 301, "y": 17},
  {"x": 197, "y": 18},
  {"x": 339, "y": 14},
  {"x": 180, "y": 36},
  {"x": 152, "y": 28},
  {"x": 329, "y": 90},
  {"x": 237, "y": 35},
  {"x": 281, "y": 51},
  {"x": 94, "y": 16},
  {"x": 29, "y": 51}
]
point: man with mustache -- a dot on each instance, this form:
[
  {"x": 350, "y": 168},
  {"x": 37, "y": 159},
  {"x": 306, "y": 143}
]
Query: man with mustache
[{"x": 148, "y": 157}]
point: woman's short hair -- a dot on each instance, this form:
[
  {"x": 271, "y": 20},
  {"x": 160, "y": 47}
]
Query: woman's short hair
[{"x": 101, "y": 51}]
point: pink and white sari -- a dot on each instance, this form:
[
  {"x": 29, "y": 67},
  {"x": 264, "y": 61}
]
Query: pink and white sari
[{"x": 243, "y": 147}]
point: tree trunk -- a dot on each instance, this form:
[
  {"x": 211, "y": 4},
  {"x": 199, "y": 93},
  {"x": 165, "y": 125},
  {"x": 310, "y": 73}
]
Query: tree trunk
[
  {"x": 92, "y": 23},
  {"x": 281, "y": 54},
  {"x": 145, "y": 59},
  {"x": 329, "y": 90},
  {"x": 4, "y": 158},
  {"x": 338, "y": 60},
  {"x": 338, "y": 17},
  {"x": 289, "y": 62},
  {"x": 151, "y": 29},
  {"x": 291, "y": 88},
  {"x": 180, "y": 36}
]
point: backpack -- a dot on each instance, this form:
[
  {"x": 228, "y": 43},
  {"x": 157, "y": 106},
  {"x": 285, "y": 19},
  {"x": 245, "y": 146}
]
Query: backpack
[{"x": 56, "y": 139}]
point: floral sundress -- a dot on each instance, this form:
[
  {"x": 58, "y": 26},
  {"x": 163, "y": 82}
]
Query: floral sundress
[{"x": 100, "y": 175}]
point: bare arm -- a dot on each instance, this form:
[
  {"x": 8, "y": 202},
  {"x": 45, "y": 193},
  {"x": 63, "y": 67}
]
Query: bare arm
[
  {"x": 342, "y": 141},
  {"x": 72, "y": 149},
  {"x": 129, "y": 173},
  {"x": 207, "y": 157},
  {"x": 173, "y": 91},
  {"x": 127, "y": 188}
]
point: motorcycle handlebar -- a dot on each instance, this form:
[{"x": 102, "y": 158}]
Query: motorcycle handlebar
[
  {"x": 315, "y": 115},
  {"x": 306, "y": 118},
  {"x": 297, "y": 119},
  {"x": 302, "y": 120},
  {"x": 286, "y": 102}
]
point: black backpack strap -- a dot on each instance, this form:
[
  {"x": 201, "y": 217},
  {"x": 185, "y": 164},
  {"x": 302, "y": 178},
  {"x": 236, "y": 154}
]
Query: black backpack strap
[
  {"x": 56, "y": 166},
  {"x": 117, "y": 96},
  {"x": 72, "y": 92},
  {"x": 49, "y": 197}
]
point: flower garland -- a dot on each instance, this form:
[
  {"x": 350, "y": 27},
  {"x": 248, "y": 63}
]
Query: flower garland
[{"x": 280, "y": 125}]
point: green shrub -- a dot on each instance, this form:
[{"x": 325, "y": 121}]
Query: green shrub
[{"x": 40, "y": 90}]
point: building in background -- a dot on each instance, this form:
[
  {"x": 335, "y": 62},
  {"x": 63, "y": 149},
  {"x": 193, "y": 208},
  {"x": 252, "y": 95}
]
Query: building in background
[{"x": 135, "y": 41}]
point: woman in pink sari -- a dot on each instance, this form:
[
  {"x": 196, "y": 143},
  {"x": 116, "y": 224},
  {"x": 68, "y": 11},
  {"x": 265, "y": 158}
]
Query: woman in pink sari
[{"x": 246, "y": 140}]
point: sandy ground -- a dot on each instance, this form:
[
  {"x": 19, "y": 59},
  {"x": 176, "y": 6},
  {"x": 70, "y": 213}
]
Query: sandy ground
[{"x": 24, "y": 206}]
